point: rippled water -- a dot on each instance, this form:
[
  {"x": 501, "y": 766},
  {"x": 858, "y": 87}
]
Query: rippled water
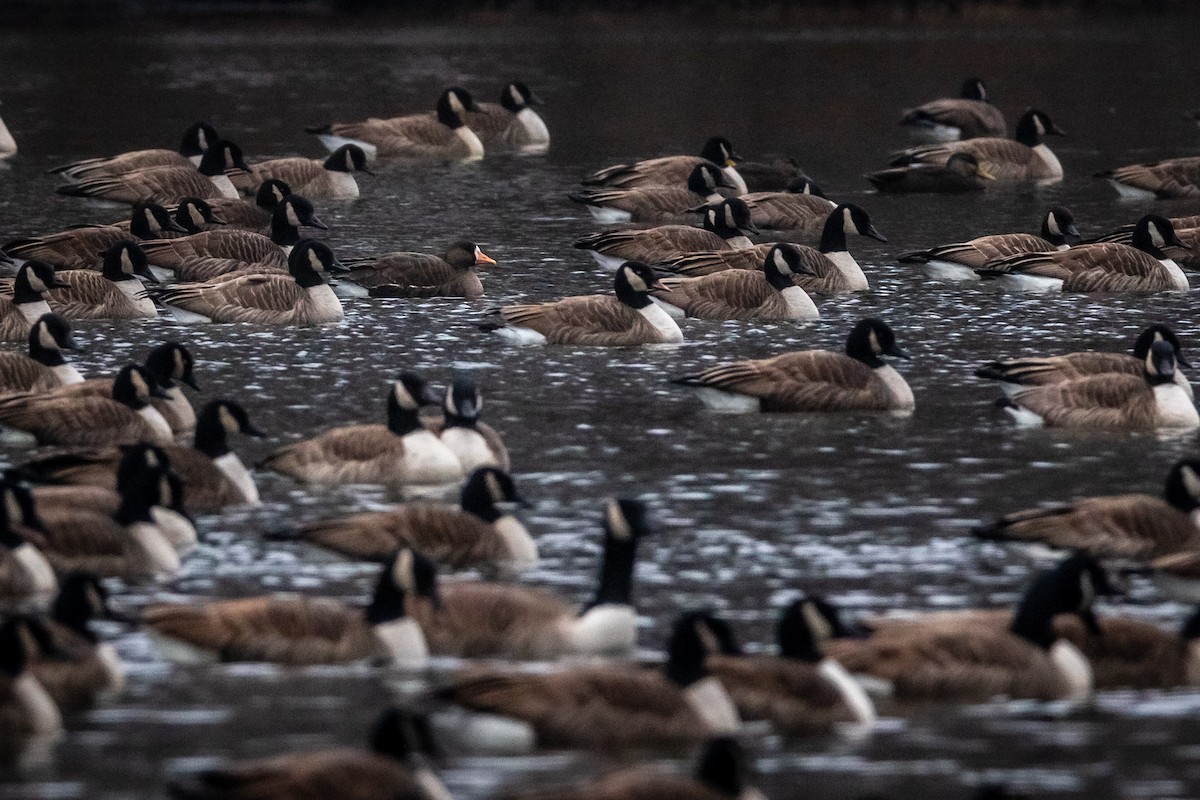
[{"x": 870, "y": 510}]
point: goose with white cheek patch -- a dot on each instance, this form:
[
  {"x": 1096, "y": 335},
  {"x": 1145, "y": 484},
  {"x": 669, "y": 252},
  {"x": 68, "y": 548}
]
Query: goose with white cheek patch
[
  {"x": 1018, "y": 374},
  {"x": 930, "y": 660},
  {"x": 401, "y": 453},
  {"x": 26, "y": 708},
  {"x": 289, "y": 629},
  {"x": 443, "y": 136},
  {"x": 476, "y": 619},
  {"x": 475, "y": 443},
  {"x": 629, "y": 318},
  {"x": 969, "y": 116},
  {"x": 958, "y": 261},
  {"x": 452, "y": 274},
  {"x": 765, "y": 294},
  {"x": 1141, "y": 266},
  {"x": 1171, "y": 177},
  {"x": 1130, "y": 526},
  {"x": 248, "y": 216},
  {"x": 331, "y": 179},
  {"x": 113, "y": 293},
  {"x": 301, "y": 297},
  {"x": 1111, "y": 401},
  {"x": 800, "y": 691},
  {"x": 167, "y": 184},
  {"x": 483, "y": 532},
  {"x": 45, "y": 367},
  {"x": 813, "y": 380},
  {"x": 24, "y": 570},
  {"x": 1024, "y": 158},
  {"x": 512, "y": 124},
  {"x": 670, "y": 170},
  {"x": 396, "y": 766},
  {"x": 127, "y": 417},
  {"x": 196, "y": 141},
  {"x": 81, "y": 247},
  {"x": 1187, "y": 230},
  {"x": 654, "y": 203},
  {"x": 27, "y": 305},
  {"x": 801, "y": 210},
  {"x": 961, "y": 173},
  {"x": 597, "y": 707},
  {"x": 726, "y": 226}
]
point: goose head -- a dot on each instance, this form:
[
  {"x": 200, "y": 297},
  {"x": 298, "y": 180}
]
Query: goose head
[
  {"x": 452, "y": 104},
  {"x": 1058, "y": 227},
  {"x": 1154, "y": 232},
  {"x": 518, "y": 97},
  {"x": 171, "y": 362},
  {"x": 271, "y": 193},
  {"x": 466, "y": 255},
  {"x": 148, "y": 220},
  {"x": 194, "y": 214},
  {"x": 34, "y": 278},
  {"x": 633, "y": 283},
  {"x": 48, "y": 337},
  {"x": 126, "y": 261},
  {"x": 197, "y": 139},
  {"x": 719, "y": 151},
  {"x": 705, "y": 178},
  {"x": 783, "y": 262},
  {"x": 871, "y": 339},
  {"x": 310, "y": 261},
  {"x": 1158, "y": 333},
  {"x": 348, "y": 158},
  {"x": 1033, "y": 125}
]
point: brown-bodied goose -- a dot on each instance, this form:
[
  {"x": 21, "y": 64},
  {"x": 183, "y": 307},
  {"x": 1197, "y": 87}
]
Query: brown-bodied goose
[
  {"x": 190, "y": 215},
  {"x": 768, "y": 293},
  {"x": 26, "y": 708},
  {"x": 1111, "y": 401},
  {"x": 441, "y": 137},
  {"x": 953, "y": 663},
  {"x": 1141, "y": 266},
  {"x": 1133, "y": 526},
  {"x": 482, "y": 532},
  {"x": 395, "y": 767},
  {"x": 599, "y": 707},
  {"x": 331, "y": 179},
  {"x": 726, "y": 226},
  {"x": 1025, "y": 157},
  {"x": 81, "y": 247},
  {"x": 961, "y": 173},
  {"x": 512, "y": 124},
  {"x": 113, "y": 293},
  {"x": 24, "y": 571},
  {"x": 421, "y": 275},
  {"x": 247, "y": 216},
  {"x": 1017, "y": 374},
  {"x": 1187, "y": 230},
  {"x": 670, "y": 170},
  {"x": 654, "y": 203},
  {"x": 1172, "y": 177},
  {"x": 968, "y": 116},
  {"x": 27, "y": 305},
  {"x": 197, "y": 140},
  {"x": 124, "y": 418},
  {"x": 44, "y": 368},
  {"x": 167, "y": 184},
  {"x": 402, "y": 452},
  {"x": 958, "y": 261},
  {"x": 630, "y": 317},
  {"x": 770, "y": 176},
  {"x": 813, "y": 380},
  {"x": 287, "y": 629},
  {"x": 800, "y": 210},
  {"x": 301, "y": 297}
]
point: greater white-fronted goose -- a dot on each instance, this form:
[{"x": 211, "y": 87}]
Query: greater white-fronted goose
[
  {"x": 512, "y": 124},
  {"x": 421, "y": 275},
  {"x": 961, "y": 173},
  {"x": 968, "y": 116},
  {"x": 331, "y": 179},
  {"x": 670, "y": 170},
  {"x": 630, "y": 317},
  {"x": 44, "y": 368},
  {"x": 197, "y": 140},
  {"x": 654, "y": 203},
  {"x": 1172, "y": 177},
  {"x": 768, "y": 293},
  {"x": 167, "y": 184},
  {"x": 113, "y": 293},
  {"x": 81, "y": 247},
  {"x": 28, "y": 303},
  {"x": 813, "y": 380},
  {"x": 302, "y": 297},
  {"x": 441, "y": 137}
]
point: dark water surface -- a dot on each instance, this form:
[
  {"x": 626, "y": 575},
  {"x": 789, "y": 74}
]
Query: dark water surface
[{"x": 871, "y": 510}]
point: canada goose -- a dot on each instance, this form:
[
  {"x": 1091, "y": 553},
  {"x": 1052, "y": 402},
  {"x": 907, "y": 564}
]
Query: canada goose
[
  {"x": 654, "y": 203},
  {"x": 670, "y": 170},
  {"x": 301, "y": 297},
  {"x": 829, "y": 270},
  {"x": 961, "y": 173},
  {"x": 726, "y": 226},
  {"x": 113, "y": 293},
  {"x": 403, "y": 452},
  {"x": 958, "y": 261},
  {"x": 1015, "y": 375},
  {"x": 420, "y": 275},
  {"x": 512, "y": 124},
  {"x": 167, "y": 184},
  {"x": 80, "y": 247},
  {"x": 125, "y": 418},
  {"x": 441, "y": 137},
  {"x": 968, "y": 116},
  {"x": 1111, "y": 401},
  {"x": 798, "y": 210},
  {"x": 1141, "y": 266},
  {"x": 1025, "y": 157},
  {"x": 800, "y": 691},
  {"x": 197, "y": 140},
  {"x": 331, "y": 179},
  {"x": 213, "y": 476},
  {"x": 44, "y": 368},
  {"x": 190, "y": 215},
  {"x": 394, "y": 767},
  {"x": 483, "y": 532},
  {"x": 764, "y": 294},
  {"x": 602, "y": 707},
  {"x": 721, "y": 774},
  {"x": 28, "y": 303},
  {"x": 211, "y": 254},
  {"x": 813, "y": 380},
  {"x": 1178, "y": 575},
  {"x": 1172, "y": 177},
  {"x": 1135, "y": 526},
  {"x": 24, "y": 571},
  {"x": 303, "y": 630},
  {"x": 247, "y": 216},
  {"x": 932, "y": 661},
  {"x": 1187, "y": 230},
  {"x": 770, "y": 176},
  {"x": 629, "y": 318},
  {"x": 8, "y": 145},
  {"x": 26, "y": 708},
  {"x": 474, "y": 443}
]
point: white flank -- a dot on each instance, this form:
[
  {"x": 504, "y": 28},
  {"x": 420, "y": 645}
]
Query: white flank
[
  {"x": 673, "y": 311},
  {"x": 485, "y": 733},
  {"x": 8, "y": 145},
  {"x": 514, "y": 334},
  {"x": 1024, "y": 417},
  {"x": 113, "y": 667},
  {"x": 933, "y": 133},
  {"x": 181, "y": 652},
  {"x": 1051, "y": 161},
  {"x": 949, "y": 271},
  {"x": 431, "y": 785},
  {"x": 709, "y": 700},
  {"x": 1175, "y": 407},
  {"x": 736, "y": 179},
  {"x": 610, "y": 263},
  {"x": 471, "y": 139},
  {"x": 739, "y": 243},
  {"x": 405, "y": 643},
  {"x": 1178, "y": 279},
  {"x": 901, "y": 391},
  {"x": 727, "y": 402},
  {"x": 157, "y": 421},
  {"x": 534, "y": 131},
  {"x": 1032, "y": 283}
]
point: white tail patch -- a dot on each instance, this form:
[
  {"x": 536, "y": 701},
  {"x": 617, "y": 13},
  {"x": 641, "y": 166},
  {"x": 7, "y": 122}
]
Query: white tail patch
[
  {"x": 949, "y": 271},
  {"x": 609, "y": 629},
  {"x": 1033, "y": 283},
  {"x": 673, "y": 311},
  {"x": 609, "y": 216},
  {"x": 1127, "y": 192},
  {"x": 1024, "y": 417},
  {"x": 727, "y": 402},
  {"x": 332, "y": 143},
  {"x": 713, "y": 705},
  {"x": 610, "y": 263},
  {"x": 1074, "y": 668},
  {"x": 514, "y": 334}
]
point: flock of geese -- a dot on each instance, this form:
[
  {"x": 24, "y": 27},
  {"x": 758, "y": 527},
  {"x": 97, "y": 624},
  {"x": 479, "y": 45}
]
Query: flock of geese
[{"x": 135, "y": 459}]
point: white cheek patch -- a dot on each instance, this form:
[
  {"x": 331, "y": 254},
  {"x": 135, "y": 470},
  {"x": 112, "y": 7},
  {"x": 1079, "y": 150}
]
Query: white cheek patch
[
  {"x": 151, "y": 222},
  {"x": 404, "y": 398},
  {"x": 711, "y": 216},
  {"x": 1156, "y": 235},
  {"x": 1150, "y": 368},
  {"x": 195, "y": 215},
  {"x": 822, "y": 631},
  {"x": 139, "y": 386},
  {"x": 848, "y": 221},
  {"x": 873, "y": 338},
  {"x": 1038, "y": 126},
  {"x": 180, "y": 366},
  {"x": 35, "y": 283},
  {"x": 1088, "y": 591},
  {"x": 451, "y": 405},
  {"x": 228, "y": 422},
  {"x": 729, "y": 218},
  {"x": 228, "y": 157},
  {"x": 1191, "y": 481},
  {"x": 493, "y": 486},
  {"x": 1052, "y": 225},
  {"x": 314, "y": 261},
  {"x": 275, "y": 190},
  {"x": 126, "y": 262},
  {"x": 292, "y": 219},
  {"x": 201, "y": 139},
  {"x": 636, "y": 282},
  {"x": 455, "y": 104},
  {"x": 13, "y": 507},
  {"x": 45, "y": 338},
  {"x": 617, "y": 524},
  {"x": 516, "y": 96},
  {"x": 781, "y": 263},
  {"x": 402, "y": 572}
]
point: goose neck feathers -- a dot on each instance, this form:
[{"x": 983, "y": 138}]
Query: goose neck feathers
[
  {"x": 719, "y": 151},
  {"x": 460, "y": 407},
  {"x": 134, "y": 387},
  {"x": 846, "y": 218},
  {"x": 148, "y": 221},
  {"x": 48, "y": 337},
  {"x": 1033, "y": 125},
  {"x": 309, "y": 261},
  {"x": 405, "y": 399},
  {"x": 625, "y": 522},
  {"x": 33, "y": 279},
  {"x": 633, "y": 284},
  {"x": 1152, "y": 233},
  {"x": 271, "y": 193},
  {"x": 287, "y": 217},
  {"x": 148, "y": 489},
  {"x": 221, "y": 156},
  {"x": 484, "y": 488},
  {"x": 1159, "y": 364},
  {"x": 125, "y": 261},
  {"x": 347, "y": 158},
  {"x": 686, "y": 650},
  {"x": 1058, "y": 228},
  {"x": 408, "y": 574},
  {"x": 197, "y": 139},
  {"x": 517, "y": 97},
  {"x": 216, "y": 421},
  {"x": 1182, "y": 488},
  {"x": 804, "y": 626},
  {"x": 452, "y": 104},
  {"x": 1069, "y": 588}
]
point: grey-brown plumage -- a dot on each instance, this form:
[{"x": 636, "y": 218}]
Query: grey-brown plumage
[
  {"x": 1058, "y": 229},
  {"x": 328, "y": 179},
  {"x": 443, "y": 136},
  {"x": 802, "y": 214},
  {"x": 168, "y": 184},
  {"x": 961, "y": 173},
  {"x": 668, "y": 170},
  {"x": 1187, "y": 230},
  {"x": 113, "y": 293},
  {"x": 81, "y": 247},
  {"x": 20, "y": 311},
  {"x": 968, "y": 116},
  {"x": 196, "y": 141},
  {"x": 726, "y": 226},
  {"x": 1172, "y": 177},
  {"x": 512, "y": 123},
  {"x": 767, "y": 293},
  {"x": 44, "y": 368},
  {"x": 655, "y": 203},
  {"x": 421, "y": 275}
]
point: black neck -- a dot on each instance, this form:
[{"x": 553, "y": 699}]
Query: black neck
[
  {"x": 833, "y": 235},
  {"x": 211, "y": 436},
  {"x": 47, "y": 356},
  {"x": 387, "y": 604},
  {"x": 616, "y": 572},
  {"x": 22, "y": 291},
  {"x": 283, "y": 232},
  {"x": 402, "y": 420}
]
